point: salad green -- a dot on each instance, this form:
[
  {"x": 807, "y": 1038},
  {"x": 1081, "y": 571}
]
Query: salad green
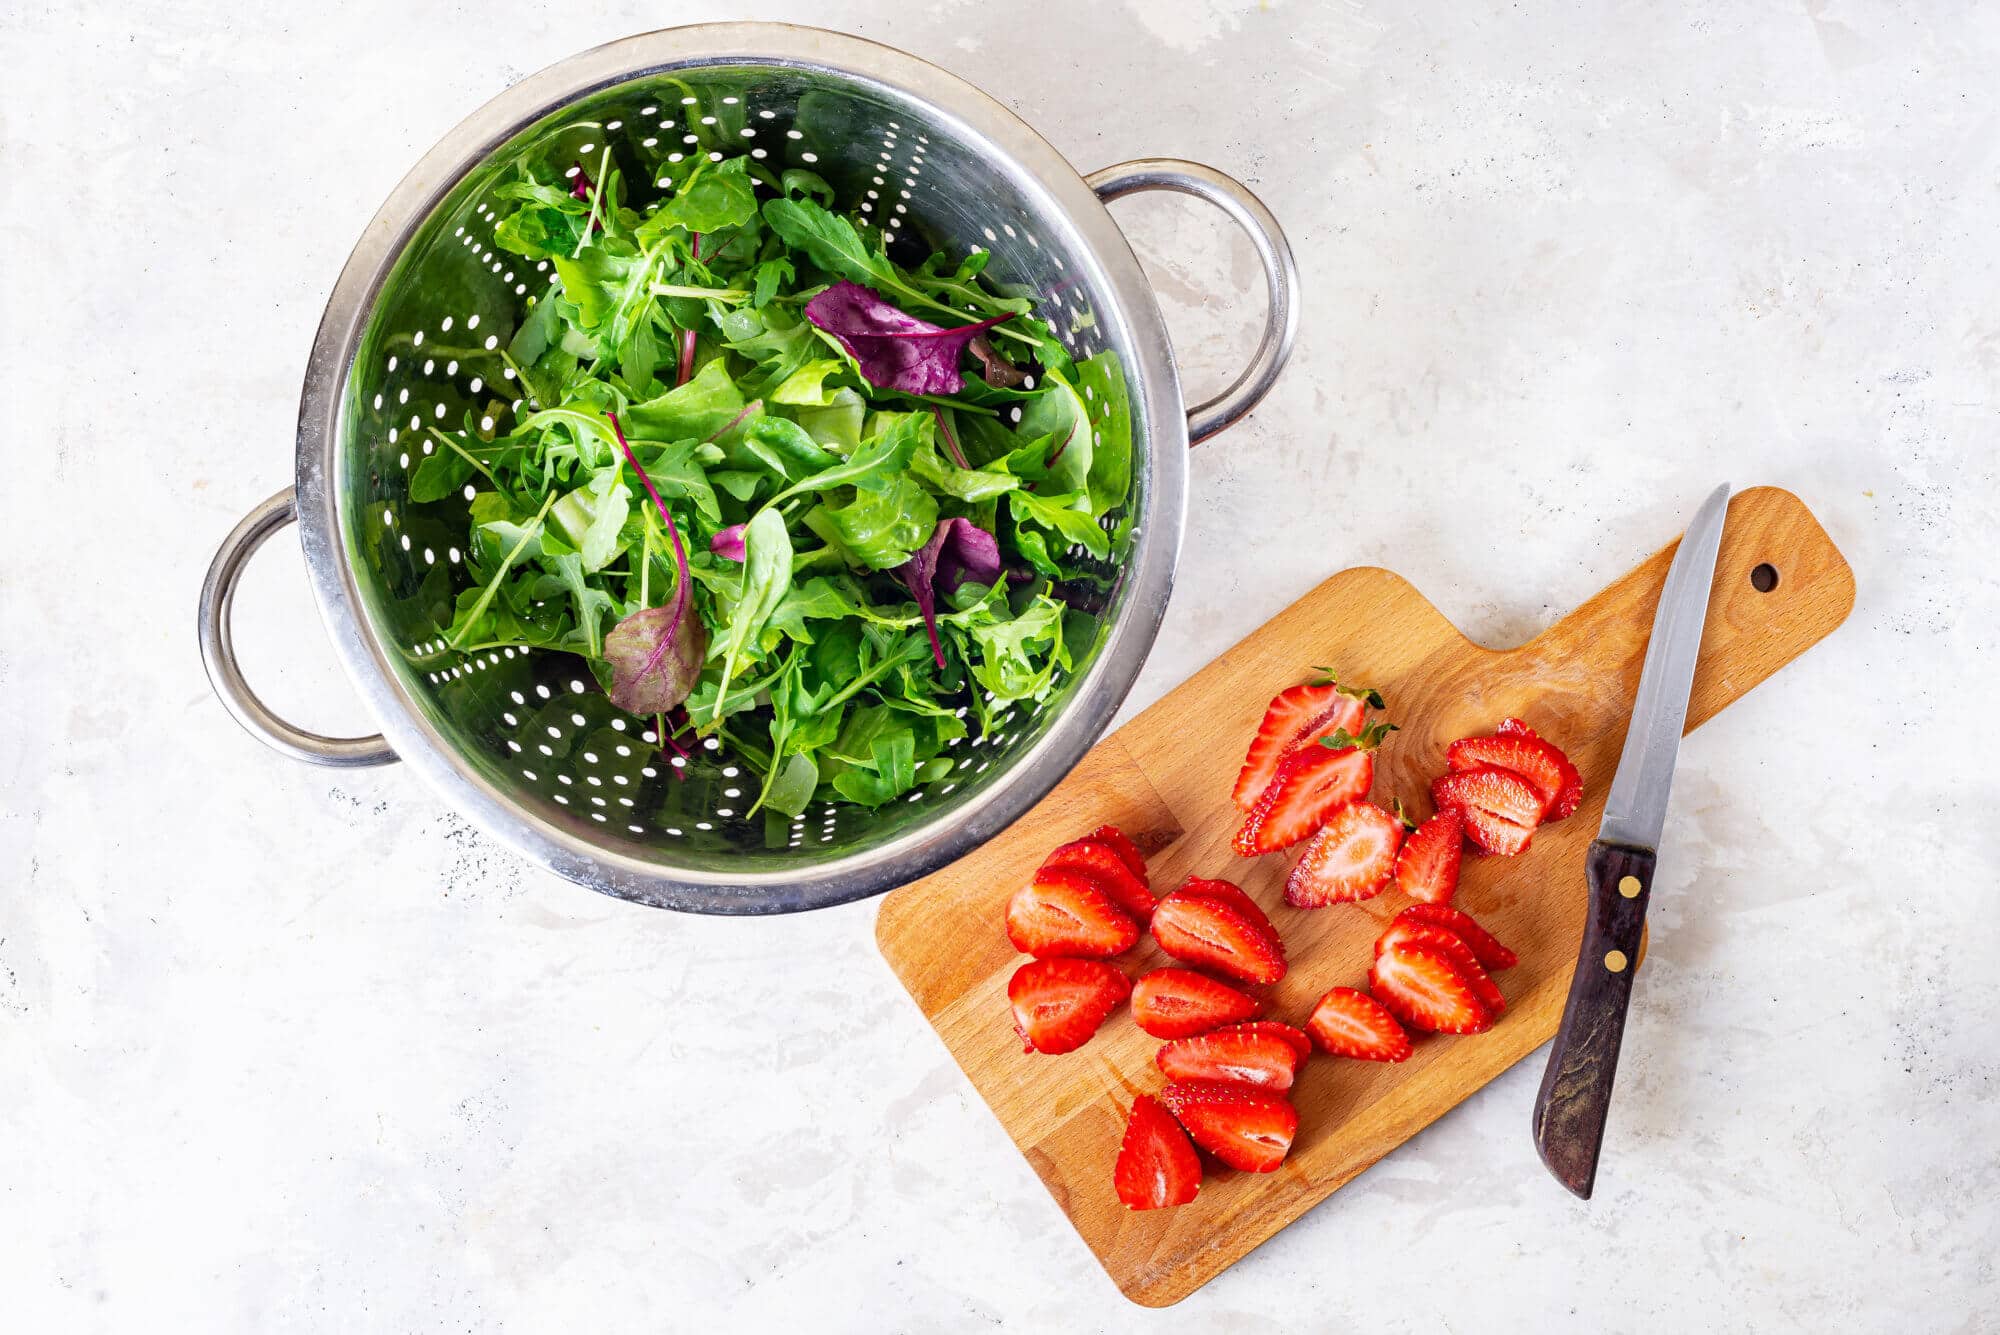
[{"x": 779, "y": 487}]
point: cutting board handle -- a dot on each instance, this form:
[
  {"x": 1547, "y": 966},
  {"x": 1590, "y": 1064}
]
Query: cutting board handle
[{"x": 1780, "y": 586}]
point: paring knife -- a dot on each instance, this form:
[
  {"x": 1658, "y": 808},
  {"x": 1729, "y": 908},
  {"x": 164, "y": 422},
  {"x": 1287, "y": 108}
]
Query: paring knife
[{"x": 1576, "y": 1088}]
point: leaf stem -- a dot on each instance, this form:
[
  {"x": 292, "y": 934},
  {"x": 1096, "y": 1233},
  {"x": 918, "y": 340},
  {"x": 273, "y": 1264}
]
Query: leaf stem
[
  {"x": 596, "y": 198},
  {"x": 493, "y": 585},
  {"x": 683, "y": 290},
  {"x": 461, "y": 452}
]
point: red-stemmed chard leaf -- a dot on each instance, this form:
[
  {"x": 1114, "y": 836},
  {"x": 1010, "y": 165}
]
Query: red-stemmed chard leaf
[
  {"x": 728, "y": 544},
  {"x": 950, "y": 441},
  {"x": 894, "y": 350},
  {"x": 959, "y": 552},
  {"x": 686, "y": 367},
  {"x": 655, "y": 654}
]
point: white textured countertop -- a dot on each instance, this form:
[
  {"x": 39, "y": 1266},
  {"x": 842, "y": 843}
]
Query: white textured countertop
[{"x": 282, "y": 1048}]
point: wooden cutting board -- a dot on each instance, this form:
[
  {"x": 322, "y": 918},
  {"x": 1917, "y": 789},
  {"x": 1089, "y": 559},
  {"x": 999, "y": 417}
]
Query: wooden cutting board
[{"x": 1165, "y": 779}]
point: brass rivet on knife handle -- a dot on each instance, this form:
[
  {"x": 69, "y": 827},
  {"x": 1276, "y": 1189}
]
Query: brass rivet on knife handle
[
  {"x": 1615, "y": 961},
  {"x": 1629, "y": 887}
]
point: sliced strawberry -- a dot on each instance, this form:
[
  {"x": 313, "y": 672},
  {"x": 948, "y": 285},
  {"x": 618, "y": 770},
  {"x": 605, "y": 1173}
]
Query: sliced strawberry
[
  {"x": 1298, "y": 716},
  {"x": 1236, "y": 1053},
  {"x": 1206, "y": 930},
  {"x": 1452, "y": 947},
  {"x": 1500, "y": 791},
  {"x": 1229, "y": 893},
  {"x": 1128, "y": 852},
  {"x": 1311, "y": 784},
  {"x": 1427, "y": 868},
  {"x": 1495, "y": 834},
  {"x": 1301, "y": 1041},
  {"x": 1101, "y": 863},
  {"x": 1499, "y": 807},
  {"x": 1063, "y": 913},
  {"x": 1571, "y": 793},
  {"x": 1245, "y": 1127},
  {"x": 1058, "y": 1004},
  {"x": 1546, "y": 768},
  {"x": 1350, "y": 1023},
  {"x": 1423, "y": 989},
  {"x": 1177, "y": 1003},
  {"x": 1352, "y": 858},
  {"x": 1485, "y": 947},
  {"x": 1157, "y": 1165}
]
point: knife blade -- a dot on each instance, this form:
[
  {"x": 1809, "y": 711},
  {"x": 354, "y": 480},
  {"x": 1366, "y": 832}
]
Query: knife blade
[{"x": 1583, "y": 1061}]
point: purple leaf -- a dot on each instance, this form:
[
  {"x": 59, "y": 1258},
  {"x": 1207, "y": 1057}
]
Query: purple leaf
[
  {"x": 894, "y": 350},
  {"x": 959, "y": 552},
  {"x": 655, "y": 659},
  {"x": 655, "y": 654},
  {"x": 997, "y": 369},
  {"x": 728, "y": 544},
  {"x": 581, "y": 186}
]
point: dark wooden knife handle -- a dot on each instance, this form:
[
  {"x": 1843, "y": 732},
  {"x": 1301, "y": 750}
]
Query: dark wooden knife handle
[{"x": 1576, "y": 1088}]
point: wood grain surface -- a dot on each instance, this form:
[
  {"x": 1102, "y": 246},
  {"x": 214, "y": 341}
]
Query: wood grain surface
[{"x": 1165, "y": 778}]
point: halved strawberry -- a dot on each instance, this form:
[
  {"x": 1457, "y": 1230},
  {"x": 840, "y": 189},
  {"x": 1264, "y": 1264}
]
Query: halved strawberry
[
  {"x": 1571, "y": 793},
  {"x": 1452, "y": 947},
  {"x": 1352, "y": 858},
  {"x": 1229, "y": 893},
  {"x": 1495, "y": 834},
  {"x": 1236, "y": 1053},
  {"x": 1544, "y": 767},
  {"x": 1311, "y": 784},
  {"x": 1058, "y": 1004},
  {"x": 1427, "y": 867},
  {"x": 1128, "y": 852},
  {"x": 1485, "y": 947},
  {"x": 1101, "y": 863},
  {"x": 1301, "y": 1042},
  {"x": 1245, "y": 1127},
  {"x": 1177, "y": 1003},
  {"x": 1423, "y": 989},
  {"x": 1157, "y": 1165},
  {"x": 1206, "y": 930},
  {"x": 1350, "y": 1023},
  {"x": 1064, "y": 913},
  {"x": 1296, "y": 717}
]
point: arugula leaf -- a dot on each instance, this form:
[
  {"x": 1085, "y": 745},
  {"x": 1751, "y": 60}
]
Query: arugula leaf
[
  {"x": 711, "y": 200},
  {"x": 1063, "y": 515},
  {"x": 767, "y": 571},
  {"x": 880, "y": 458}
]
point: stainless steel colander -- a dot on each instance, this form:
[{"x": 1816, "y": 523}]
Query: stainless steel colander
[{"x": 526, "y": 745}]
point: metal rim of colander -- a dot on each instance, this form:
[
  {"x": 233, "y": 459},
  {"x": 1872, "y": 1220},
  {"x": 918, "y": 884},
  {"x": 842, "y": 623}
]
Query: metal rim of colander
[{"x": 1160, "y": 429}]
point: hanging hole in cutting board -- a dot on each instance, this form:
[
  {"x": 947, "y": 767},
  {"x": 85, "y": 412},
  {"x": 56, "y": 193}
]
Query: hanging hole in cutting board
[{"x": 1764, "y": 578}]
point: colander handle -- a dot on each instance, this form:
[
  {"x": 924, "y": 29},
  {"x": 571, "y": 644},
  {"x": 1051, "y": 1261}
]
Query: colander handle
[
  {"x": 1281, "y": 274},
  {"x": 218, "y": 650}
]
